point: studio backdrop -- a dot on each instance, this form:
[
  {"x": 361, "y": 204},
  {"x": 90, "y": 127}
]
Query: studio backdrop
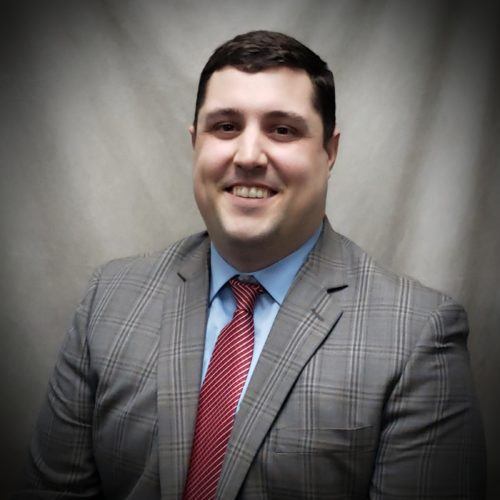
[{"x": 96, "y": 97}]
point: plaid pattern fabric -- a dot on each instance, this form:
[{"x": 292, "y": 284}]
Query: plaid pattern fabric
[{"x": 363, "y": 389}]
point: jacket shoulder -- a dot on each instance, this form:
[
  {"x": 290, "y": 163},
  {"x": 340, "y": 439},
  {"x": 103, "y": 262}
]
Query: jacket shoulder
[
  {"x": 161, "y": 262},
  {"x": 365, "y": 273},
  {"x": 143, "y": 274},
  {"x": 397, "y": 310}
]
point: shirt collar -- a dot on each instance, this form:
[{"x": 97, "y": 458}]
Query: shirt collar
[{"x": 276, "y": 279}]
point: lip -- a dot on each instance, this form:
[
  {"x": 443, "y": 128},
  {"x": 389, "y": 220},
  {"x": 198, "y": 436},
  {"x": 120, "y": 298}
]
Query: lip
[
  {"x": 247, "y": 202},
  {"x": 229, "y": 186}
]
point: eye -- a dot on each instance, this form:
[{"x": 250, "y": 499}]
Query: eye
[
  {"x": 284, "y": 132},
  {"x": 225, "y": 127},
  {"x": 224, "y": 130}
]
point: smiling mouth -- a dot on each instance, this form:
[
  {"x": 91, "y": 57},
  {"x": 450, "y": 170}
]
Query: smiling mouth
[{"x": 251, "y": 192}]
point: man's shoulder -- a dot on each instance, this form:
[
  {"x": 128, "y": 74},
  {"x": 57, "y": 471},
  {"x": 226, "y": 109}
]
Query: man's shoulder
[
  {"x": 153, "y": 266},
  {"x": 397, "y": 307},
  {"x": 376, "y": 280}
]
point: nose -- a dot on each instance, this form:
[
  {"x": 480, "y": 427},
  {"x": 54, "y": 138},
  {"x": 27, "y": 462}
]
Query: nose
[{"x": 250, "y": 152}]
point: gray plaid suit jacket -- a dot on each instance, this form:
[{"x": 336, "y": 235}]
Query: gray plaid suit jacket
[{"x": 363, "y": 389}]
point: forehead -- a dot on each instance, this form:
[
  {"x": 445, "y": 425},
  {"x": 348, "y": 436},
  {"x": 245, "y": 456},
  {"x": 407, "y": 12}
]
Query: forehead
[{"x": 274, "y": 89}]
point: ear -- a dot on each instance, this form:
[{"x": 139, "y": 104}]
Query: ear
[
  {"x": 332, "y": 147},
  {"x": 192, "y": 132}
]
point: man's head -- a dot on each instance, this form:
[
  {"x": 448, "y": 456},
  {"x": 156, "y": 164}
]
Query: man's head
[
  {"x": 260, "y": 50},
  {"x": 262, "y": 151}
]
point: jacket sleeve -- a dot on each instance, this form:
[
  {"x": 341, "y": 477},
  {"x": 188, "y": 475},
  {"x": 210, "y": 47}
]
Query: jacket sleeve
[
  {"x": 431, "y": 444},
  {"x": 61, "y": 463}
]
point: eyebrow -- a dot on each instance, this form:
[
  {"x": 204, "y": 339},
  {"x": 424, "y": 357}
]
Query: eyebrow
[
  {"x": 290, "y": 115},
  {"x": 276, "y": 114},
  {"x": 222, "y": 113}
]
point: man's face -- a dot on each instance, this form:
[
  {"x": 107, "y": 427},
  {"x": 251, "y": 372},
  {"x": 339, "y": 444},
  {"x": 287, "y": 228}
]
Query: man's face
[{"x": 260, "y": 166}]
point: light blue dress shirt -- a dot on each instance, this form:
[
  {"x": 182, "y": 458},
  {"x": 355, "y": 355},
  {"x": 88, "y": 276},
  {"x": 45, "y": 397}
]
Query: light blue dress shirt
[{"x": 275, "y": 279}]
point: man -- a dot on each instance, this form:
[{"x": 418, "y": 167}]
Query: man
[{"x": 341, "y": 380}]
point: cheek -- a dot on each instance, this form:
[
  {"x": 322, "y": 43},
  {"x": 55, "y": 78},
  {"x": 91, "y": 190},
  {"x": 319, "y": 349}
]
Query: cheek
[
  {"x": 302, "y": 167},
  {"x": 212, "y": 157}
]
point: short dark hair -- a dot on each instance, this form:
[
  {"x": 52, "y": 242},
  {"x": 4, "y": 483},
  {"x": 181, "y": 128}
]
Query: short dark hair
[{"x": 259, "y": 50}]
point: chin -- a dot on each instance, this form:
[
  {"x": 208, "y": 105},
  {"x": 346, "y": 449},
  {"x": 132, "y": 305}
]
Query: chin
[
  {"x": 248, "y": 233},
  {"x": 248, "y": 238}
]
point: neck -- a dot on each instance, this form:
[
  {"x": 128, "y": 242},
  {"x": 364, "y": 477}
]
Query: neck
[{"x": 249, "y": 257}]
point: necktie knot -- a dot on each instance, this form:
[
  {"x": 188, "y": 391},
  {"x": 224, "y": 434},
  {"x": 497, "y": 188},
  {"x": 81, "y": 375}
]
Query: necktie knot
[{"x": 245, "y": 294}]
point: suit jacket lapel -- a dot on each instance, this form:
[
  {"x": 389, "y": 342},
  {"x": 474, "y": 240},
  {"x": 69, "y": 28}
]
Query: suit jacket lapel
[
  {"x": 179, "y": 368},
  {"x": 305, "y": 319}
]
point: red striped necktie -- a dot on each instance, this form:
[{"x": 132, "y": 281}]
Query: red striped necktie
[{"x": 220, "y": 393}]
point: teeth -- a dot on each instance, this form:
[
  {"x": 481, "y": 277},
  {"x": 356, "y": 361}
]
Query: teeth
[
  {"x": 242, "y": 191},
  {"x": 252, "y": 192}
]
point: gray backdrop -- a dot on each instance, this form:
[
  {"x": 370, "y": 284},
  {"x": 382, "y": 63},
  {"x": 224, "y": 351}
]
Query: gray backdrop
[{"x": 95, "y": 101}]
